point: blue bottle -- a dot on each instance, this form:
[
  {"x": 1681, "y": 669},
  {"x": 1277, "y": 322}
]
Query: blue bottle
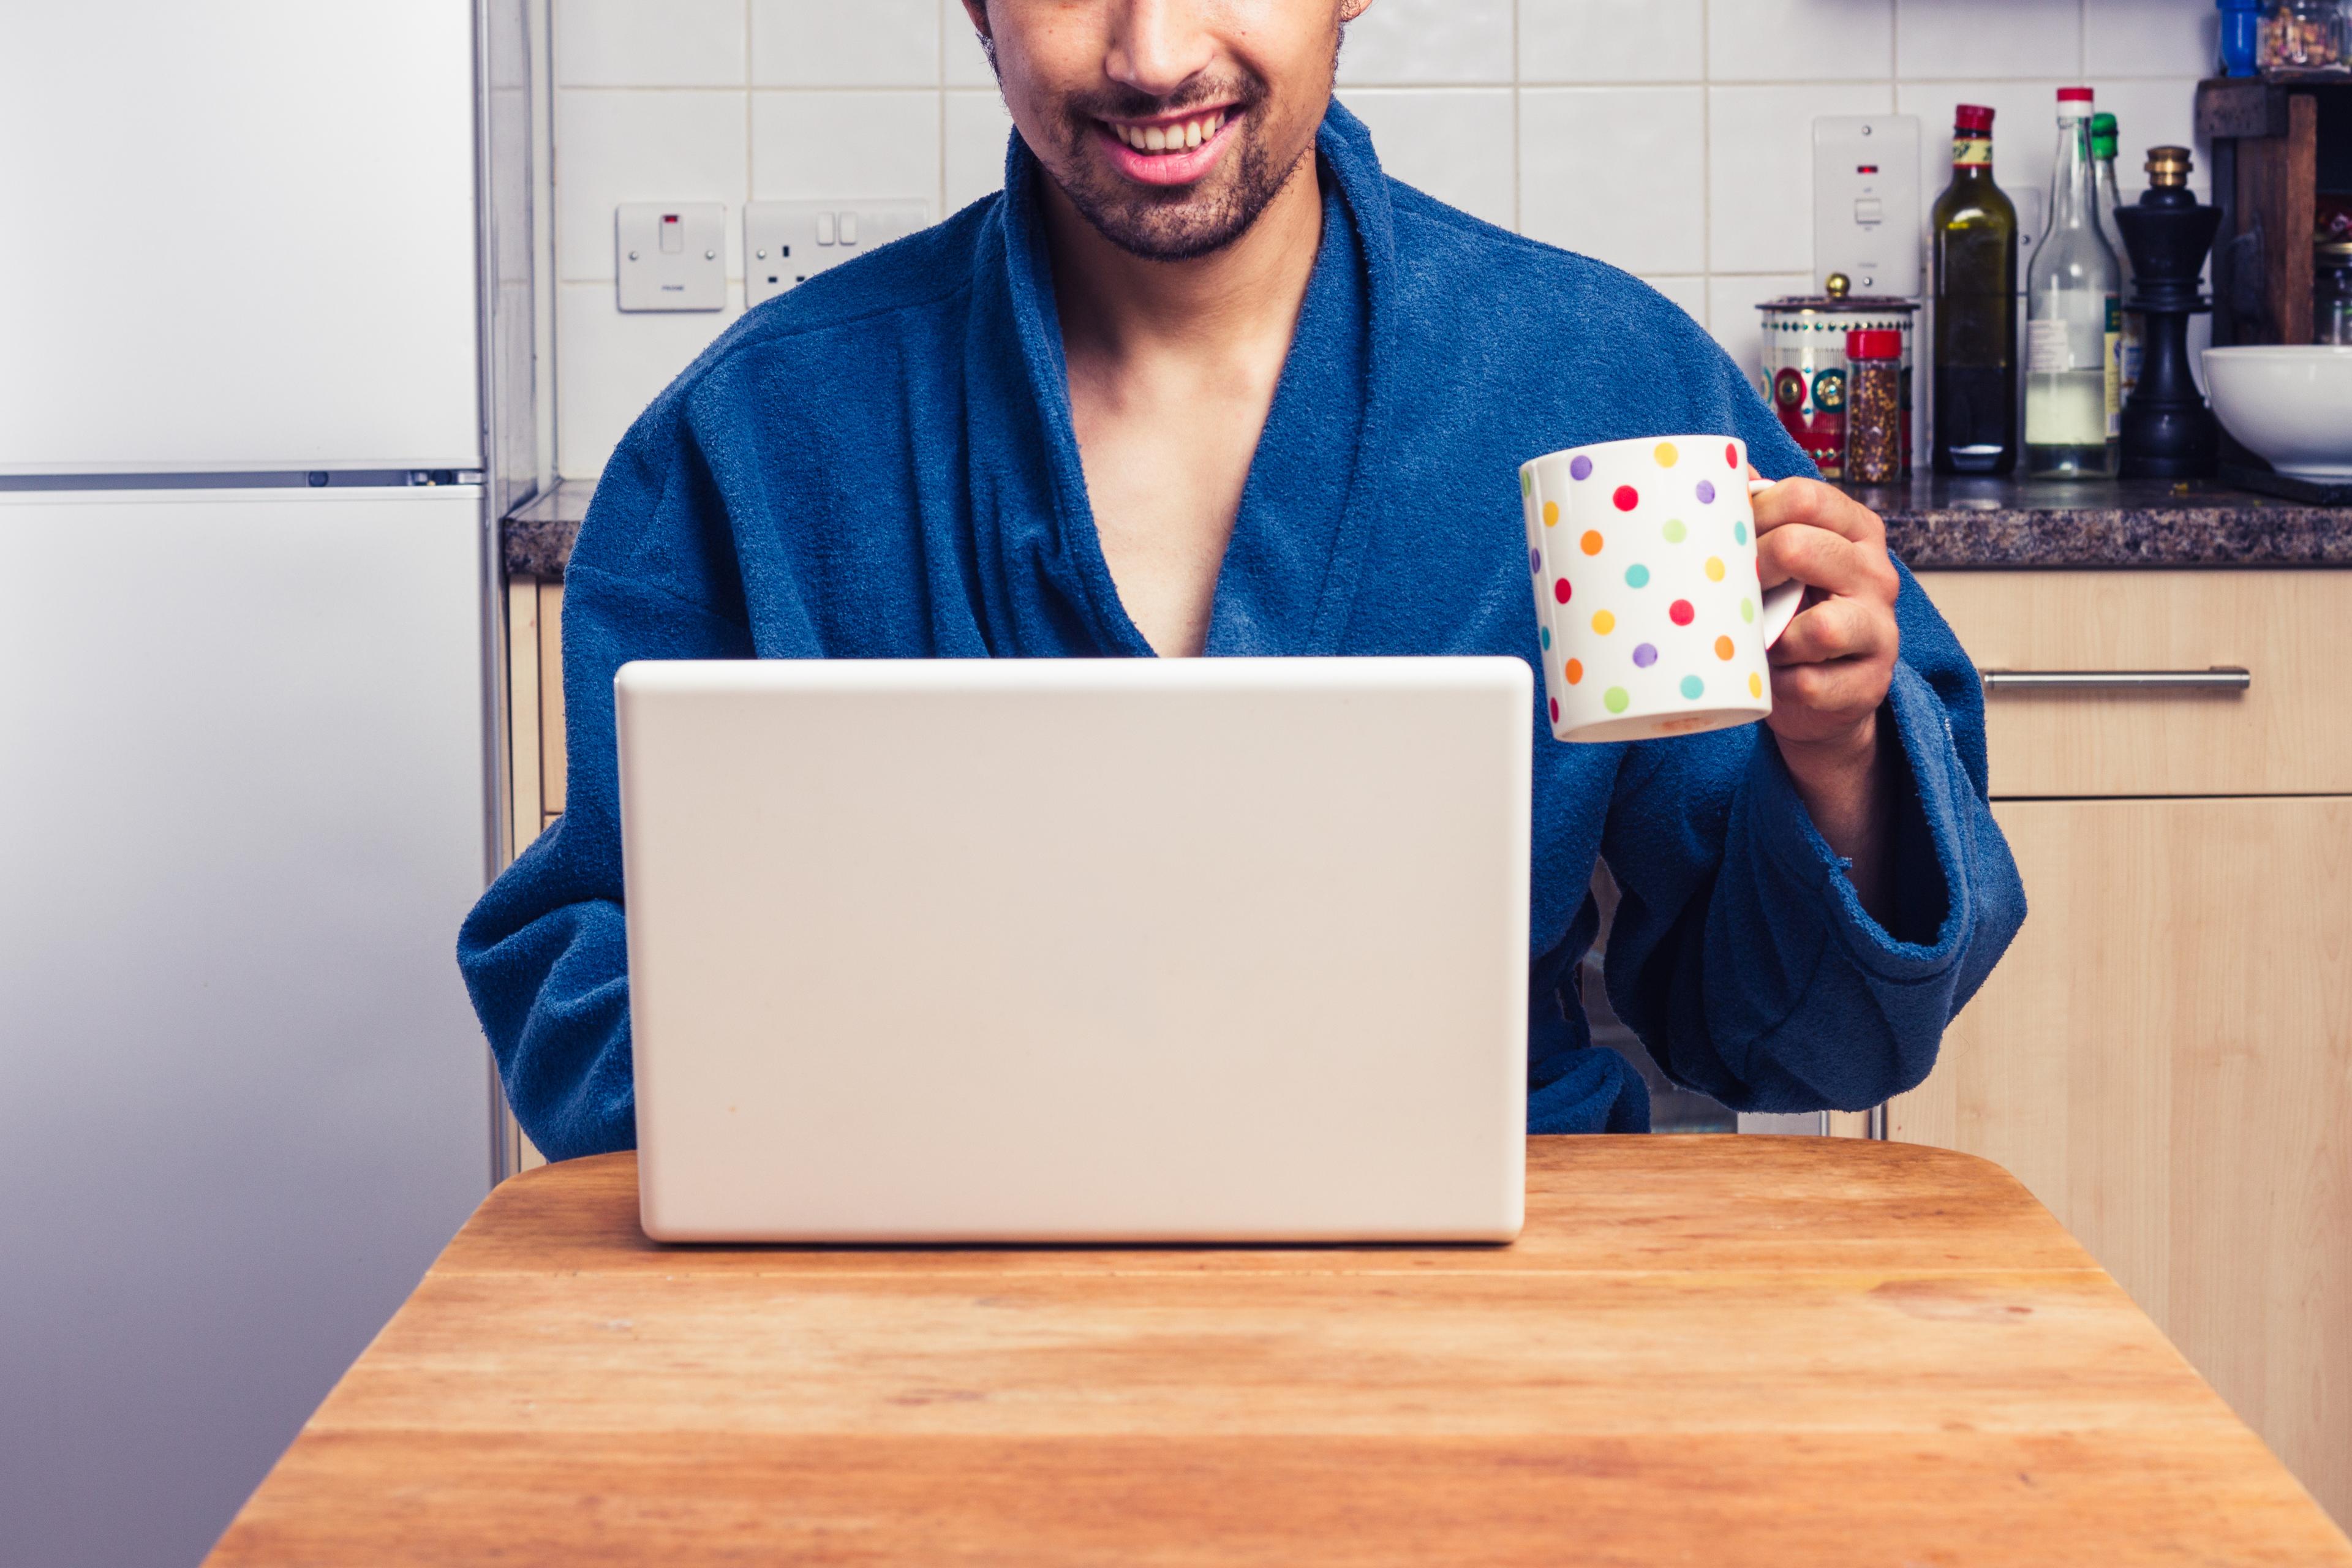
[{"x": 2240, "y": 26}]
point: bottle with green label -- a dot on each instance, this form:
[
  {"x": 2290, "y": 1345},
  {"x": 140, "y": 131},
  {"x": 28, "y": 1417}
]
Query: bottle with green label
[
  {"x": 2073, "y": 317},
  {"x": 2132, "y": 346}
]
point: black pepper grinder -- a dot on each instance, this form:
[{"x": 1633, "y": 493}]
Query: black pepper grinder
[{"x": 2167, "y": 432}]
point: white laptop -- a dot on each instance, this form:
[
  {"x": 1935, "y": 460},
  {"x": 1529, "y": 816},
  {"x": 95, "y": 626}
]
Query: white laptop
[{"x": 1051, "y": 949}]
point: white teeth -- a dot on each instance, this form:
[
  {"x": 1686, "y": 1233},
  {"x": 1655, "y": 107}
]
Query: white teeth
[{"x": 1170, "y": 138}]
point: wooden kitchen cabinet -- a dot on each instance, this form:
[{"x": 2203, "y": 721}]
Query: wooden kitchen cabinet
[
  {"x": 2287, "y": 733},
  {"x": 534, "y": 676},
  {"x": 534, "y": 705},
  {"x": 2165, "y": 1056}
]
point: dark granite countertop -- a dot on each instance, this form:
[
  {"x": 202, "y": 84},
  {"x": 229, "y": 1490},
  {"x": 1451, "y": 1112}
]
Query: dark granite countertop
[
  {"x": 1932, "y": 523},
  {"x": 1937, "y": 522},
  {"x": 536, "y": 537}
]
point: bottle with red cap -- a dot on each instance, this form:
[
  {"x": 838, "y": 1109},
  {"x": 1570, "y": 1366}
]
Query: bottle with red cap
[
  {"x": 1974, "y": 228},
  {"x": 2074, "y": 317}
]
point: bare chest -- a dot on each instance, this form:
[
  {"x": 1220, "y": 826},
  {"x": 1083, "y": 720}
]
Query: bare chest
[{"x": 1166, "y": 465}]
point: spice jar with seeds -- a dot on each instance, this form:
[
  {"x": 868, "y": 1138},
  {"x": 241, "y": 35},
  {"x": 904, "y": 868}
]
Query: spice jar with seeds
[{"x": 1874, "y": 406}]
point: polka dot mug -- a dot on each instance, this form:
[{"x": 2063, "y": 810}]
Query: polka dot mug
[{"x": 1647, "y": 604}]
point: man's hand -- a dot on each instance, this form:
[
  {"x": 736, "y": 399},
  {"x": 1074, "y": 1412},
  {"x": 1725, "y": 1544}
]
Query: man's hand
[{"x": 1831, "y": 669}]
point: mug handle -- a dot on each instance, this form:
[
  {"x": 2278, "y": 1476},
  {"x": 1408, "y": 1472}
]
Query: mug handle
[
  {"x": 1779, "y": 607},
  {"x": 1781, "y": 604}
]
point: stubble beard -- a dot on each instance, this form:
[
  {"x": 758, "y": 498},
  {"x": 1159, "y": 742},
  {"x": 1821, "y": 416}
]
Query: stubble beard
[
  {"x": 1181, "y": 222},
  {"x": 1176, "y": 222}
]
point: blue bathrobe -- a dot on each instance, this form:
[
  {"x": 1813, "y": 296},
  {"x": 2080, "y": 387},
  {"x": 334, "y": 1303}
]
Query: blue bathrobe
[{"x": 881, "y": 465}]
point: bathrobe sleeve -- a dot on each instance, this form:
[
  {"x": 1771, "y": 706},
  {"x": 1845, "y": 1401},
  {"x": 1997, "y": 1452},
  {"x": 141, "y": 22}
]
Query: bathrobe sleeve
[
  {"x": 1740, "y": 954},
  {"x": 653, "y": 577}
]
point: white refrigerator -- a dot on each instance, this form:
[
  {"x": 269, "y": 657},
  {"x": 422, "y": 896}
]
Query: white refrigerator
[{"x": 244, "y": 732}]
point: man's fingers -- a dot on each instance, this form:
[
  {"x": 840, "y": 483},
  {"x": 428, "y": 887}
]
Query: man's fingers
[
  {"x": 1849, "y": 686},
  {"x": 1832, "y": 629},
  {"x": 1831, "y": 665},
  {"x": 1816, "y": 505},
  {"x": 1824, "y": 559}
]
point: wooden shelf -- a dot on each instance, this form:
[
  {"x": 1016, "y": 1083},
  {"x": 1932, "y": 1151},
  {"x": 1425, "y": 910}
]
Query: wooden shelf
[{"x": 2277, "y": 143}]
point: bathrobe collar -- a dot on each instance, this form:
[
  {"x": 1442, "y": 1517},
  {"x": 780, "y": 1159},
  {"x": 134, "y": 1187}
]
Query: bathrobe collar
[{"x": 1291, "y": 569}]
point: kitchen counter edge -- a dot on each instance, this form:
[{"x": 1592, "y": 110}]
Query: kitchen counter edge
[{"x": 1933, "y": 524}]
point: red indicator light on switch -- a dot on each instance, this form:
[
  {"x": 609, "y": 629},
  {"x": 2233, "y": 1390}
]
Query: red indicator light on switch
[{"x": 1866, "y": 169}]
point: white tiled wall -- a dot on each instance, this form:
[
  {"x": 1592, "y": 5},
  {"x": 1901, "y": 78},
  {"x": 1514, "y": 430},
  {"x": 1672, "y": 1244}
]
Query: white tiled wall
[{"x": 1671, "y": 137}]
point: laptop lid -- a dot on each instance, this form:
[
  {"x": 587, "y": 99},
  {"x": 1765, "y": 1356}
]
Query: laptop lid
[{"x": 1220, "y": 949}]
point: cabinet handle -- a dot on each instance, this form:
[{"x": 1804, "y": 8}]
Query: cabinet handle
[{"x": 2220, "y": 677}]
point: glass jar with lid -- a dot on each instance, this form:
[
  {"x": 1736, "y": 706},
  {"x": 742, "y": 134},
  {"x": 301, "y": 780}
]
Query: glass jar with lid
[
  {"x": 2305, "y": 35},
  {"x": 2331, "y": 293},
  {"x": 1804, "y": 369}
]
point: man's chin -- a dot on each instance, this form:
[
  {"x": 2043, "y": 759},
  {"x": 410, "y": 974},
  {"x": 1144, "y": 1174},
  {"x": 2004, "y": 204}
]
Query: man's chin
[
  {"x": 1174, "y": 222},
  {"x": 1166, "y": 230}
]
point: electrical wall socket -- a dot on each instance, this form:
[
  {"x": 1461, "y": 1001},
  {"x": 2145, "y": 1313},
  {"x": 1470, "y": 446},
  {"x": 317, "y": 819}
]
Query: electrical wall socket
[
  {"x": 670, "y": 256},
  {"x": 1866, "y": 211},
  {"x": 785, "y": 244}
]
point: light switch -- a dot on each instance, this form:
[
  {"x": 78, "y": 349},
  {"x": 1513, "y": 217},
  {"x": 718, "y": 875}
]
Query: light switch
[
  {"x": 787, "y": 243},
  {"x": 1866, "y": 211},
  {"x": 670, "y": 256}
]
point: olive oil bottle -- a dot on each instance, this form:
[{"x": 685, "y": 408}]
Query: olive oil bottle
[{"x": 1975, "y": 233}]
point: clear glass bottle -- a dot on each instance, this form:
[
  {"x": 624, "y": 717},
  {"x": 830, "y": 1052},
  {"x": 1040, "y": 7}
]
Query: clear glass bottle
[
  {"x": 2072, "y": 317},
  {"x": 2331, "y": 293},
  {"x": 2132, "y": 346}
]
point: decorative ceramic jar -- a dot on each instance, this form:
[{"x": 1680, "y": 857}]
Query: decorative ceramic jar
[{"x": 1804, "y": 369}]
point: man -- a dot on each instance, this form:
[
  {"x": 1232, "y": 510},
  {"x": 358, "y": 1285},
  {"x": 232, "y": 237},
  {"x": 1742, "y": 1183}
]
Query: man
[{"x": 1203, "y": 381}]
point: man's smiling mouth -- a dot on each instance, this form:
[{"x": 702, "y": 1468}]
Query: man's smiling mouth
[
  {"x": 1170, "y": 150},
  {"x": 1164, "y": 136}
]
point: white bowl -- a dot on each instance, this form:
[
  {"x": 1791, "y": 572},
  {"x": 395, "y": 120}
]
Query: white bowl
[{"x": 2293, "y": 405}]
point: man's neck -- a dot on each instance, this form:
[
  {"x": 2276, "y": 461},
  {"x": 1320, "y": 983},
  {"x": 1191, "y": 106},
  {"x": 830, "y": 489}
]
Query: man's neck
[
  {"x": 1172, "y": 369},
  {"x": 1117, "y": 307}
]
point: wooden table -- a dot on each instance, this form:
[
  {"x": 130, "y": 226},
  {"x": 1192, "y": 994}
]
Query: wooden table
[{"x": 1705, "y": 1350}]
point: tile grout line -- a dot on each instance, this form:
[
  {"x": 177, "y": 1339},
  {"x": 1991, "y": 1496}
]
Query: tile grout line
[
  {"x": 1559, "y": 85},
  {"x": 751, "y": 175},
  {"x": 577, "y": 280},
  {"x": 545, "y": 10},
  {"x": 1518, "y": 172},
  {"x": 939, "y": 102},
  {"x": 1707, "y": 165},
  {"x": 1894, "y": 97}
]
